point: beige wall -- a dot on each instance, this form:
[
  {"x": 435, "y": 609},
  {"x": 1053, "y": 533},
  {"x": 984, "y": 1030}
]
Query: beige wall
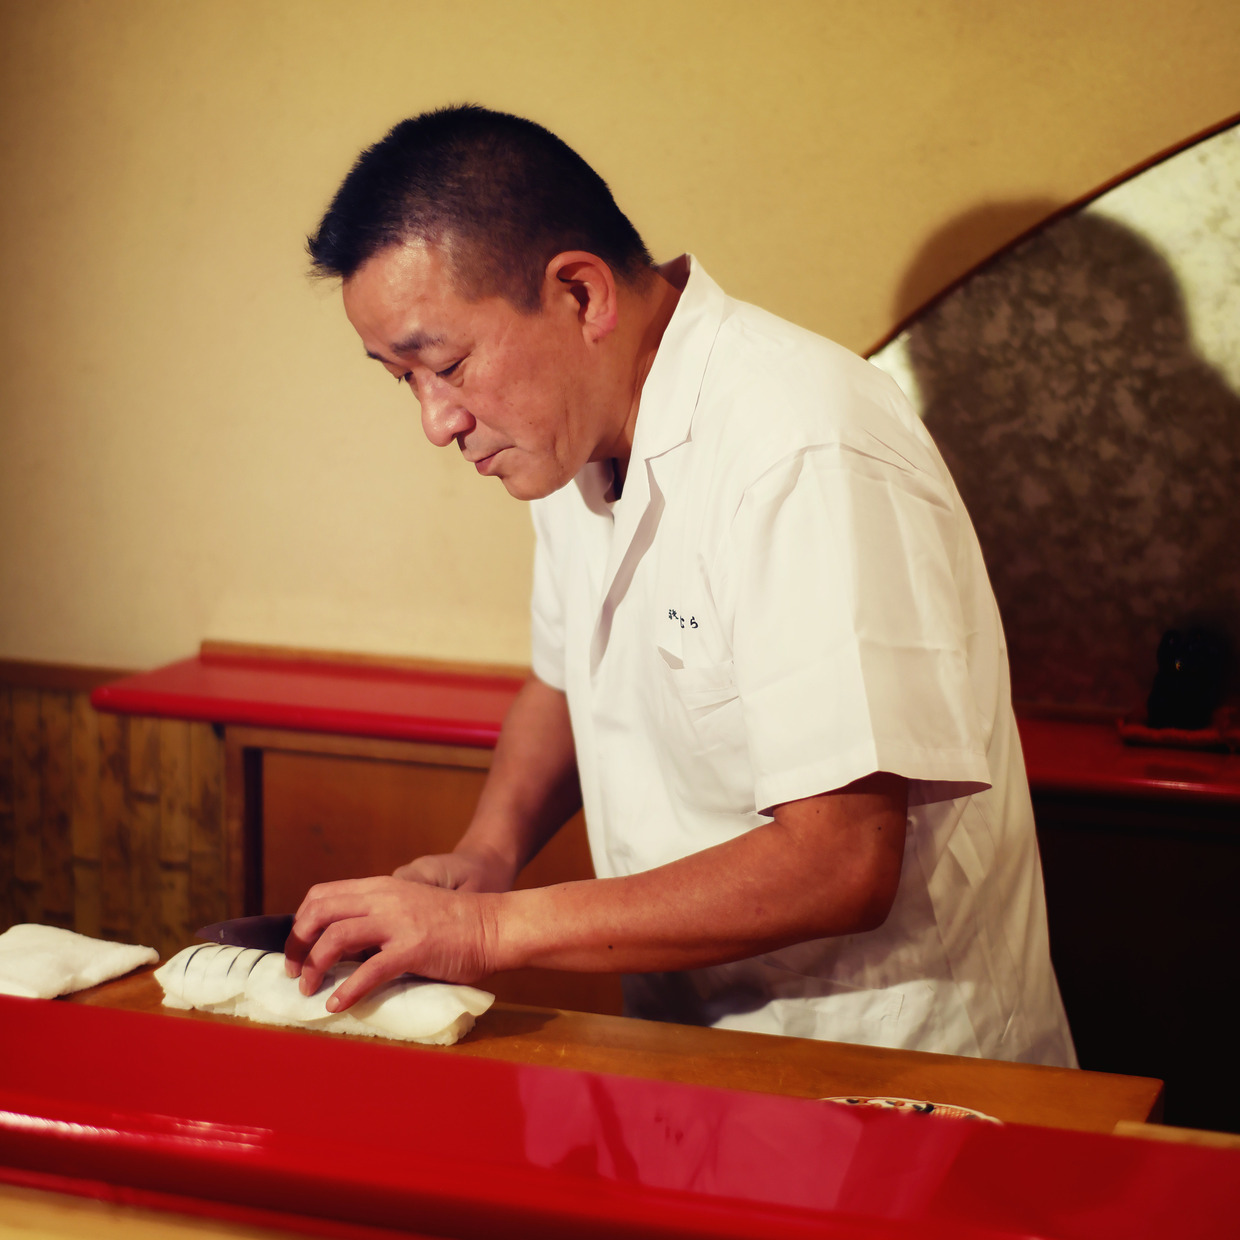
[{"x": 191, "y": 444}]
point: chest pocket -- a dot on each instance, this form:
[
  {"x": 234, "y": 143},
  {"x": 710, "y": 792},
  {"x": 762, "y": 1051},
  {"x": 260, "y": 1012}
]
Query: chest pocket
[{"x": 701, "y": 726}]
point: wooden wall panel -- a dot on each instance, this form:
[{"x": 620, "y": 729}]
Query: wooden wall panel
[
  {"x": 88, "y": 899},
  {"x": 27, "y": 809},
  {"x": 56, "y": 804},
  {"x": 144, "y": 870},
  {"x": 27, "y": 763},
  {"x": 7, "y": 823},
  {"x": 111, "y": 826},
  {"x": 84, "y": 824},
  {"x": 176, "y": 814},
  {"x": 208, "y": 870},
  {"x": 114, "y": 828},
  {"x": 176, "y": 792},
  {"x": 142, "y": 788},
  {"x": 143, "y": 756}
]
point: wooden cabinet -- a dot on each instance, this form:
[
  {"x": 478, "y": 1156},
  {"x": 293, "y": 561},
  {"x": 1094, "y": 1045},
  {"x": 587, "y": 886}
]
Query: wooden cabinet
[
  {"x": 318, "y": 807},
  {"x": 1141, "y": 898}
]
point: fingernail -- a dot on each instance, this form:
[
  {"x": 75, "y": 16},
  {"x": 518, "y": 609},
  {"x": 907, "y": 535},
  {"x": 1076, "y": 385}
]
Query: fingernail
[{"x": 333, "y": 1004}]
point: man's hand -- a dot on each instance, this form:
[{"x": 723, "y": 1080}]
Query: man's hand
[
  {"x": 460, "y": 871},
  {"x": 417, "y": 927}
]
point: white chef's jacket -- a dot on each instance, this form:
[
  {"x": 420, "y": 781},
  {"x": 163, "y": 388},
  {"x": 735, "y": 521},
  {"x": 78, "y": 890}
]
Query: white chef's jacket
[{"x": 789, "y": 596}]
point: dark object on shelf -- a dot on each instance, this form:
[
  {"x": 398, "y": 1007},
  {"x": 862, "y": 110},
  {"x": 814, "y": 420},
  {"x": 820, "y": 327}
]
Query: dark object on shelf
[
  {"x": 1222, "y": 734},
  {"x": 1192, "y": 668}
]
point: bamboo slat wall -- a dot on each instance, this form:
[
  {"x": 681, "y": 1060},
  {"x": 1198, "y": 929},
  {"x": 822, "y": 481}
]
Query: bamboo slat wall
[{"x": 112, "y": 826}]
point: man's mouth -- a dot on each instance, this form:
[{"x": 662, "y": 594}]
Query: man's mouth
[{"x": 483, "y": 464}]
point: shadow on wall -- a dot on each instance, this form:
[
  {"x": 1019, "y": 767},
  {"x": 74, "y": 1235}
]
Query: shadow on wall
[{"x": 1098, "y": 455}]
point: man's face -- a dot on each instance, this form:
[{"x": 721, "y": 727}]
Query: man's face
[{"x": 511, "y": 389}]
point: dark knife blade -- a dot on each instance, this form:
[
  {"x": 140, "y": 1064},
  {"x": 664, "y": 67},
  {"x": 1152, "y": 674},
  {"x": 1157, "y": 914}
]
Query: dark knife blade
[{"x": 267, "y": 932}]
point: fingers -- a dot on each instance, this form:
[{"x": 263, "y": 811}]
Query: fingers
[
  {"x": 365, "y": 978},
  {"x": 413, "y": 926},
  {"x": 338, "y": 941},
  {"x": 324, "y": 904}
]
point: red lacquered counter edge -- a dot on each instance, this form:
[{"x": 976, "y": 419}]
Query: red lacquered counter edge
[{"x": 387, "y": 1136}]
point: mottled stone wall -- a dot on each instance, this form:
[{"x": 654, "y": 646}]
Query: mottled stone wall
[{"x": 1097, "y": 450}]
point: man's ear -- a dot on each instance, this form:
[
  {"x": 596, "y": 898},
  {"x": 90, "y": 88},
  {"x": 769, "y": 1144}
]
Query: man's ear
[{"x": 590, "y": 283}]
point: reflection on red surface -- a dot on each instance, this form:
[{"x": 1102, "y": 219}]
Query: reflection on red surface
[{"x": 397, "y": 1137}]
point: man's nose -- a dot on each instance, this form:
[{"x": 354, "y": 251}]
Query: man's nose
[{"x": 443, "y": 416}]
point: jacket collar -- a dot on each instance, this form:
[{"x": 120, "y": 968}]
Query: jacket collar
[
  {"x": 664, "y": 420},
  {"x": 669, "y": 395}
]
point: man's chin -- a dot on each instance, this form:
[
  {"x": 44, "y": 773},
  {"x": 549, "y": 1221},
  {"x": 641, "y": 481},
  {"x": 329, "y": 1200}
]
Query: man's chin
[
  {"x": 528, "y": 488},
  {"x": 527, "y": 485}
]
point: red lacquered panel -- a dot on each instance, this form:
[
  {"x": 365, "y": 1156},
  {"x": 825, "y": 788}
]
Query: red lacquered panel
[
  {"x": 225, "y": 1214},
  {"x": 1063, "y": 756},
  {"x": 399, "y": 1137},
  {"x": 312, "y": 696}
]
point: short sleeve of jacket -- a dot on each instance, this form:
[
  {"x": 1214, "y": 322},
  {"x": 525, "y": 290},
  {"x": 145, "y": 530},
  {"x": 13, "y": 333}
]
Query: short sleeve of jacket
[
  {"x": 850, "y": 642},
  {"x": 547, "y": 603}
]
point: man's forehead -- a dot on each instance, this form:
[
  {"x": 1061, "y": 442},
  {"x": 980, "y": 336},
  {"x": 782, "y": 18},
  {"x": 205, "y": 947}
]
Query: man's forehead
[
  {"x": 392, "y": 295},
  {"x": 398, "y": 262}
]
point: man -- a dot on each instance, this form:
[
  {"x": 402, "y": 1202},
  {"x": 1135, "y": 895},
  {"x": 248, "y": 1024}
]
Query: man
[{"x": 766, "y": 654}]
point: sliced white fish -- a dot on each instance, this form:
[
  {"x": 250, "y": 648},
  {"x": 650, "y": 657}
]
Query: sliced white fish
[
  {"x": 244, "y": 981},
  {"x": 405, "y": 1008},
  {"x": 269, "y": 989},
  {"x": 171, "y": 976},
  {"x": 206, "y": 975},
  {"x": 224, "y": 975}
]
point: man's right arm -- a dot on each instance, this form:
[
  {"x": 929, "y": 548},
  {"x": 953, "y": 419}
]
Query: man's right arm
[{"x": 530, "y": 792}]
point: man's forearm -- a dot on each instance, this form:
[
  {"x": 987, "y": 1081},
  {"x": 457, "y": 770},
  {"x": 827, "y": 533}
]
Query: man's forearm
[
  {"x": 532, "y": 788},
  {"x": 828, "y": 865}
]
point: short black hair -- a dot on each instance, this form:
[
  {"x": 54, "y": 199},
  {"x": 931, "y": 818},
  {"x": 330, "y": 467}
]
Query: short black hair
[{"x": 501, "y": 193}]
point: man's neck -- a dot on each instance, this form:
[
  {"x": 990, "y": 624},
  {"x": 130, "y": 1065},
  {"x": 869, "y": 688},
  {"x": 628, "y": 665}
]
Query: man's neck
[{"x": 648, "y": 315}]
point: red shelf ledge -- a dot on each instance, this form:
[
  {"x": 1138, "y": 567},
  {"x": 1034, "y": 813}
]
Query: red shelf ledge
[
  {"x": 394, "y": 701},
  {"x": 319, "y": 695},
  {"x": 1068, "y": 756}
]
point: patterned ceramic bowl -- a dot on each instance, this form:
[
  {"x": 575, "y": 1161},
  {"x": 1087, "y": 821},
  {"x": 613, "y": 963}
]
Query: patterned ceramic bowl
[{"x": 913, "y": 1107}]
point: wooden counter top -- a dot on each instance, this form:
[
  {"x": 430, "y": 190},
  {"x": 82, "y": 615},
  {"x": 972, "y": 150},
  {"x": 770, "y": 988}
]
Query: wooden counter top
[{"x": 794, "y": 1067}]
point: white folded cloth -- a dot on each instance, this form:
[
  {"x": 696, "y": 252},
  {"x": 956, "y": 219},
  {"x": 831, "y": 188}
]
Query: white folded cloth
[{"x": 41, "y": 962}]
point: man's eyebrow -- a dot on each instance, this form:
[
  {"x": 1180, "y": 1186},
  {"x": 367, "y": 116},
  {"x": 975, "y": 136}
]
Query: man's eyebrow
[{"x": 413, "y": 343}]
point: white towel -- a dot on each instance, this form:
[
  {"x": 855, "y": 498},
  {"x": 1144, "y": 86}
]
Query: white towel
[{"x": 41, "y": 962}]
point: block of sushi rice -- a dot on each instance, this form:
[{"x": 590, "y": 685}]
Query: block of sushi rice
[{"x": 243, "y": 981}]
